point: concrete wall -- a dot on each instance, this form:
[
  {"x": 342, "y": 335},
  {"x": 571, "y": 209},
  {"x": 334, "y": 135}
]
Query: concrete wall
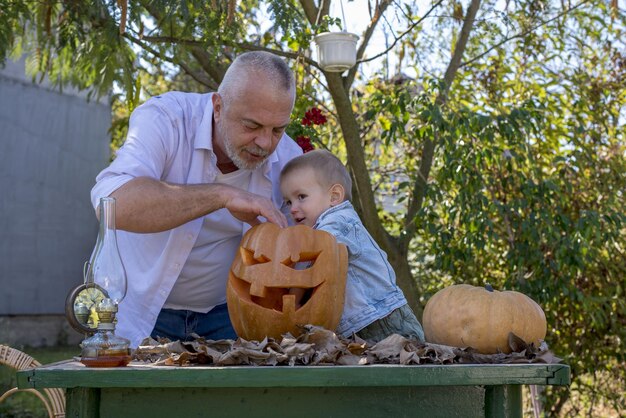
[{"x": 52, "y": 145}]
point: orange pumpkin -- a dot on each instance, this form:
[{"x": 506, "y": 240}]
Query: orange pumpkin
[
  {"x": 482, "y": 318},
  {"x": 263, "y": 272}
]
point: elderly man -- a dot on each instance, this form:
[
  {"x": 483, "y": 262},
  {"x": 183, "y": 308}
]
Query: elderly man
[{"x": 195, "y": 172}]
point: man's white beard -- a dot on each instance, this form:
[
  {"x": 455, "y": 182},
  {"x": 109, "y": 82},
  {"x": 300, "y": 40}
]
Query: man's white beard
[{"x": 242, "y": 164}]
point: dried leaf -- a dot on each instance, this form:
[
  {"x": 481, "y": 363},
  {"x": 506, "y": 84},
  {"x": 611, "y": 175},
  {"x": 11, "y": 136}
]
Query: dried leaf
[
  {"x": 388, "y": 349},
  {"x": 516, "y": 344},
  {"x": 351, "y": 360},
  {"x": 357, "y": 348},
  {"x": 319, "y": 346}
]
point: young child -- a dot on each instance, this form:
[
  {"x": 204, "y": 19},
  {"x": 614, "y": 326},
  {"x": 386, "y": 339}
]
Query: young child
[{"x": 317, "y": 187}]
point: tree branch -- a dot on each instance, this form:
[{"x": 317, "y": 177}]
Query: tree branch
[
  {"x": 524, "y": 33},
  {"x": 212, "y": 68},
  {"x": 312, "y": 12},
  {"x": 292, "y": 55},
  {"x": 367, "y": 35},
  {"x": 199, "y": 77},
  {"x": 403, "y": 34},
  {"x": 246, "y": 46},
  {"x": 421, "y": 184}
]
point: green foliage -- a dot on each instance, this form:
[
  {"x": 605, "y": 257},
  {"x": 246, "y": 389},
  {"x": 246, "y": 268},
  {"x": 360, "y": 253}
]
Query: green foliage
[
  {"x": 296, "y": 32},
  {"x": 10, "y": 15},
  {"x": 521, "y": 197},
  {"x": 503, "y": 212},
  {"x": 77, "y": 44},
  {"x": 528, "y": 189},
  {"x": 289, "y": 20},
  {"x": 327, "y": 24}
]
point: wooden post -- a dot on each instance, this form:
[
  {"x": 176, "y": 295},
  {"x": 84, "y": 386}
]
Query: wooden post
[
  {"x": 503, "y": 401},
  {"x": 82, "y": 403}
]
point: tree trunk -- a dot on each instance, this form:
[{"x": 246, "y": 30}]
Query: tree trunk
[
  {"x": 356, "y": 160},
  {"x": 396, "y": 248},
  {"x": 398, "y": 259}
]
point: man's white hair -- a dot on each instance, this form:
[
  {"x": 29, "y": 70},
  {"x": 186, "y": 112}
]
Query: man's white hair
[{"x": 256, "y": 63}]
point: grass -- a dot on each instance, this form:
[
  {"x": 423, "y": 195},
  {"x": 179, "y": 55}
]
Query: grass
[{"x": 24, "y": 404}]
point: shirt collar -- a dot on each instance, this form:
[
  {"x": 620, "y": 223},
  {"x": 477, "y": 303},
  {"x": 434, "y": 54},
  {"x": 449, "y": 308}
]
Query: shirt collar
[
  {"x": 204, "y": 135},
  {"x": 272, "y": 159},
  {"x": 343, "y": 205}
]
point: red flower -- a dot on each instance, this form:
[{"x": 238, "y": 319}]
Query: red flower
[
  {"x": 313, "y": 116},
  {"x": 305, "y": 143}
]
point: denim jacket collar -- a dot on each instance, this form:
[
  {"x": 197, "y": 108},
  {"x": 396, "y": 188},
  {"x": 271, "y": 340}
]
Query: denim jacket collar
[{"x": 342, "y": 206}]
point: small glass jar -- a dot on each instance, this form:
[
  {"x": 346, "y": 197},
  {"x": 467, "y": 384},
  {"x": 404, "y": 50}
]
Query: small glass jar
[{"x": 105, "y": 349}]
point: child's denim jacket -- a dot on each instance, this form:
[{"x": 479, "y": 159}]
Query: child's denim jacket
[{"x": 371, "y": 290}]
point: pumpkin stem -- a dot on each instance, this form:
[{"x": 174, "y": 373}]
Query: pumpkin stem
[{"x": 488, "y": 287}]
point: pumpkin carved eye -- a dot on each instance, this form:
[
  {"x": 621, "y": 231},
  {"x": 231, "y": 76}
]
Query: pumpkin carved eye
[
  {"x": 301, "y": 261},
  {"x": 273, "y": 260},
  {"x": 247, "y": 256}
]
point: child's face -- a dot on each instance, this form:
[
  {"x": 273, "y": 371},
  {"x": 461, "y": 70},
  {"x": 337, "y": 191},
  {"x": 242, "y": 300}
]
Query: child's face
[{"x": 306, "y": 198}]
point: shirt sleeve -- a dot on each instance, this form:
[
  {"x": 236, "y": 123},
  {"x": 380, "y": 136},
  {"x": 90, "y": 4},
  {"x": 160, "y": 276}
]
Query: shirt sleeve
[
  {"x": 149, "y": 143},
  {"x": 345, "y": 231}
]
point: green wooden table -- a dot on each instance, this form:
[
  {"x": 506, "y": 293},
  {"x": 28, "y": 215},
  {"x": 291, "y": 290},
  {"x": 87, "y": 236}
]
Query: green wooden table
[{"x": 314, "y": 391}]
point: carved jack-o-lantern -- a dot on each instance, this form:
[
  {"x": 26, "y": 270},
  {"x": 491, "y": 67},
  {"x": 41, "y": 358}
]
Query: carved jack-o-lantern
[{"x": 264, "y": 270}]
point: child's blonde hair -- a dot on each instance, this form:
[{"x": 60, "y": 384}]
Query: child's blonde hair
[{"x": 328, "y": 169}]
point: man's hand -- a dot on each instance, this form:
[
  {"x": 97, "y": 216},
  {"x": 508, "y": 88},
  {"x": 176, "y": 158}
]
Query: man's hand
[{"x": 247, "y": 207}]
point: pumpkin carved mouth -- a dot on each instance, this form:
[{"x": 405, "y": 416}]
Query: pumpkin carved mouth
[
  {"x": 276, "y": 298},
  {"x": 270, "y": 262}
]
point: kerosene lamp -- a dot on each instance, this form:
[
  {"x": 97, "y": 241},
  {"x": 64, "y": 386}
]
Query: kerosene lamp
[{"x": 93, "y": 305}]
